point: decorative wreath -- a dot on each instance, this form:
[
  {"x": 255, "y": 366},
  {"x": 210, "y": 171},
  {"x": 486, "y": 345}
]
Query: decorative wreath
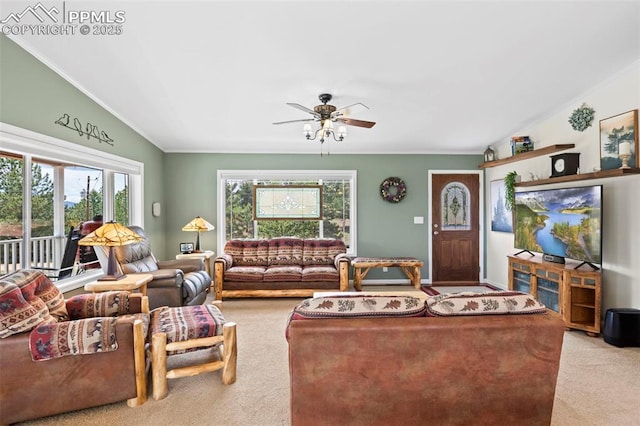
[
  {"x": 581, "y": 118},
  {"x": 393, "y": 196}
]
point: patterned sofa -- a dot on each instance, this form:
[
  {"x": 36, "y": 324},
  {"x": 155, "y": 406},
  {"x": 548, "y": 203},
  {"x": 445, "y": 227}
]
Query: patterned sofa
[{"x": 281, "y": 267}]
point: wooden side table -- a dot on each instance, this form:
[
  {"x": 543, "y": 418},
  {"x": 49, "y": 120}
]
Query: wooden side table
[
  {"x": 206, "y": 255},
  {"x": 409, "y": 265},
  {"x": 130, "y": 282}
]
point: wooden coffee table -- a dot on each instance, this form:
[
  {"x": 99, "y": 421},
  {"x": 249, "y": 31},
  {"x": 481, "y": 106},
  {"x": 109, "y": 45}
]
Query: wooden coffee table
[
  {"x": 130, "y": 282},
  {"x": 409, "y": 265}
]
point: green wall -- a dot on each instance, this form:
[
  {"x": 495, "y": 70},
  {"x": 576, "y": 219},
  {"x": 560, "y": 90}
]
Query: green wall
[
  {"x": 384, "y": 229},
  {"x": 33, "y": 97}
]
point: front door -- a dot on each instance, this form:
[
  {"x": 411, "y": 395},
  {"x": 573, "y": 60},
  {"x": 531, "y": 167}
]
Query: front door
[{"x": 455, "y": 227}]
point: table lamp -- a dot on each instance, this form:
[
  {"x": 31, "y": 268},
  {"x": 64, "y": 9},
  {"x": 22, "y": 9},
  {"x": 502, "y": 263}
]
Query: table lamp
[
  {"x": 111, "y": 235},
  {"x": 198, "y": 225}
]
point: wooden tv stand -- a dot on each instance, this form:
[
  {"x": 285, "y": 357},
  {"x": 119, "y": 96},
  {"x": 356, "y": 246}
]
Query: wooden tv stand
[{"x": 575, "y": 294}]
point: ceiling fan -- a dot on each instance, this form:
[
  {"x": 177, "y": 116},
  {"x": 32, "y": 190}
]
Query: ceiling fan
[{"x": 327, "y": 114}]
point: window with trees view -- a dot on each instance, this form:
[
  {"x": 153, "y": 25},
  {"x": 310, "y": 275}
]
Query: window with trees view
[
  {"x": 236, "y": 215},
  {"x": 48, "y": 185},
  {"x": 82, "y": 201},
  {"x": 83, "y": 198}
]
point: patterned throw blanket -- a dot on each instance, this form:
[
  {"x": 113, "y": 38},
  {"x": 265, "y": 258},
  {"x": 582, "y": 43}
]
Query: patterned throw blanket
[{"x": 88, "y": 336}]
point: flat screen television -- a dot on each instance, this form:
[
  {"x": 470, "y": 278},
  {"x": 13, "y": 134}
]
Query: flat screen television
[{"x": 560, "y": 223}]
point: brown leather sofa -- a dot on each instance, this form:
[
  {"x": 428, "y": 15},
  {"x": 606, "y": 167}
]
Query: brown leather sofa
[
  {"x": 175, "y": 282},
  {"x": 458, "y": 370},
  {"x": 32, "y": 389}
]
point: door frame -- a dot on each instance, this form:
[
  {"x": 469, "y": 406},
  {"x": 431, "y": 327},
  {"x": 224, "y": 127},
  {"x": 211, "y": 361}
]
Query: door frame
[{"x": 481, "y": 230}]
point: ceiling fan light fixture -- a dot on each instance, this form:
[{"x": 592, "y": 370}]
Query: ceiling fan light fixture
[
  {"x": 325, "y": 131},
  {"x": 307, "y": 131},
  {"x": 342, "y": 132},
  {"x": 325, "y": 115}
]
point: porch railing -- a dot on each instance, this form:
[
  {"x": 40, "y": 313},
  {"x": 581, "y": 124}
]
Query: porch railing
[{"x": 42, "y": 254}]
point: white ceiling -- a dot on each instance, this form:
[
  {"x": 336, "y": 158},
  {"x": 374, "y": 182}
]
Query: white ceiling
[{"x": 438, "y": 77}]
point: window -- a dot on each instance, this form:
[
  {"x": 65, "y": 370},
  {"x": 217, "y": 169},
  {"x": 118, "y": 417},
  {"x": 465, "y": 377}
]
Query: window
[
  {"x": 68, "y": 184},
  {"x": 121, "y": 198},
  {"x": 83, "y": 194},
  {"x": 236, "y": 204},
  {"x": 455, "y": 199}
]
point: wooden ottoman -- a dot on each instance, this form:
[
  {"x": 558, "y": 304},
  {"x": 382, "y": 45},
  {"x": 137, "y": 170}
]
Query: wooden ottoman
[{"x": 188, "y": 328}]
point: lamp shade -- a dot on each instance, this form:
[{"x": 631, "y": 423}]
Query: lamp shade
[
  {"x": 198, "y": 224},
  {"x": 306, "y": 130},
  {"x": 111, "y": 234}
]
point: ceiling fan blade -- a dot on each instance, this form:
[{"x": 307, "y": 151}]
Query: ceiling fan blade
[
  {"x": 338, "y": 112},
  {"x": 357, "y": 123},
  {"x": 303, "y": 108},
  {"x": 295, "y": 121}
]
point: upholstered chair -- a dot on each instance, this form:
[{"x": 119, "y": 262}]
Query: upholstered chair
[
  {"x": 175, "y": 282},
  {"x": 60, "y": 355}
]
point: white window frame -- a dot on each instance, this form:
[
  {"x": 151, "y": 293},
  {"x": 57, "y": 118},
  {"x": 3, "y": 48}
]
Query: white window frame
[
  {"x": 303, "y": 175},
  {"x": 32, "y": 145}
]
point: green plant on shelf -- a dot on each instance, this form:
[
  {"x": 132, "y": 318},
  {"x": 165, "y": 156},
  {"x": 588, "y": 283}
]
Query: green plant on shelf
[{"x": 510, "y": 189}]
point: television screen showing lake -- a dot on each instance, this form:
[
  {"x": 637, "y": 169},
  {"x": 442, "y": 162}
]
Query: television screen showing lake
[{"x": 563, "y": 222}]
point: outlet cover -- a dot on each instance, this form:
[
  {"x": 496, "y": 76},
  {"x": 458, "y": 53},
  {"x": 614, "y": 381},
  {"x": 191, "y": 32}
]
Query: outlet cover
[
  {"x": 418, "y": 220},
  {"x": 385, "y": 269}
]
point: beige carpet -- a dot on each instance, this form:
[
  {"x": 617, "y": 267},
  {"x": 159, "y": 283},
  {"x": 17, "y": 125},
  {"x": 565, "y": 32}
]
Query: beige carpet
[{"x": 598, "y": 384}]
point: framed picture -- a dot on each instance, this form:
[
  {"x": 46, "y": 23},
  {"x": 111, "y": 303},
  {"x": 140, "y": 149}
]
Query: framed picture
[
  {"x": 186, "y": 248},
  {"x": 501, "y": 218},
  {"x": 619, "y": 140}
]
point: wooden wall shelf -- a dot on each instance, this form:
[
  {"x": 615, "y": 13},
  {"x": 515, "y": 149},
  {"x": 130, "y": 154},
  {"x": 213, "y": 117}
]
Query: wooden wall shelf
[
  {"x": 526, "y": 155},
  {"x": 583, "y": 176}
]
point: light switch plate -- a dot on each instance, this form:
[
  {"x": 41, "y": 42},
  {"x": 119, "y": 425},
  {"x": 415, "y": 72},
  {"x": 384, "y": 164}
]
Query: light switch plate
[{"x": 418, "y": 220}]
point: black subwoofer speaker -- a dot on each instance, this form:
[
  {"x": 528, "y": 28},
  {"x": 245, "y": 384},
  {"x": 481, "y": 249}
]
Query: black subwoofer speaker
[{"x": 622, "y": 327}]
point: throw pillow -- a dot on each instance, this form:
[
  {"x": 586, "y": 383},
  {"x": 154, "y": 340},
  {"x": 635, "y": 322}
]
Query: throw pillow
[
  {"x": 20, "y": 309},
  {"x": 35, "y": 284},
  {"x": 353, "y": 306},
  {"x": 51, "y": 296},
  {"x": 107, "y": 304},
  {"x": 470, "y": 303}
]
